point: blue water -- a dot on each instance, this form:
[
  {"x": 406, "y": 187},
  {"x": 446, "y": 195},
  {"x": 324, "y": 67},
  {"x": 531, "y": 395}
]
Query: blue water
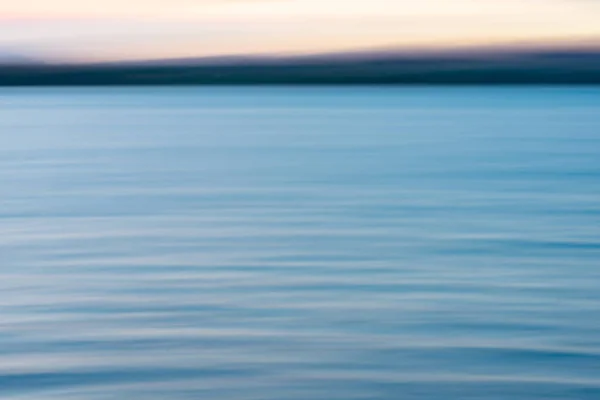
[{"x": 300, "y": 243}]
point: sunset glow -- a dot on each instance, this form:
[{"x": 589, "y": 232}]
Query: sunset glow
[{"x": 112, "y": 29}]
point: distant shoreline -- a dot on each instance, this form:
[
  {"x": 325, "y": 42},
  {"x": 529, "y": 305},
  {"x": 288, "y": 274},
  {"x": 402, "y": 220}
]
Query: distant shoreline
[
  {"x": 518, "y": 68},
  {"x": 128, "y": 77}
]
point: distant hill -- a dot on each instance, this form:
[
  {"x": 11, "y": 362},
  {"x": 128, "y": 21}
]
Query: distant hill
[
  {"x": 13, "y": 58},
  {"x": 483, "y": 66}
]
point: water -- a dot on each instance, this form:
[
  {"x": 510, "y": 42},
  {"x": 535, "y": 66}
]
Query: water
[{"x": 300, "y": 243}]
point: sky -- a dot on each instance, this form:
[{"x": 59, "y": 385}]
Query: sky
[{"x": 99, "y": 30}]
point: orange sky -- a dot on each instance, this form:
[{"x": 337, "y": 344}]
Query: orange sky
[{"x": 126, "y": 29}]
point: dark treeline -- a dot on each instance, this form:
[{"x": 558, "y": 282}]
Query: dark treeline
[{"x": 549, "y": 67}]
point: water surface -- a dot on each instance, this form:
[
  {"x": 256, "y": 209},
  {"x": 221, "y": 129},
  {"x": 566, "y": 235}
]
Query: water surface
[{"x": 300, "y": 243}]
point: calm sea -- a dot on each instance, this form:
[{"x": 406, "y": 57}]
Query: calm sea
[{"x": 300, "y": 243}]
